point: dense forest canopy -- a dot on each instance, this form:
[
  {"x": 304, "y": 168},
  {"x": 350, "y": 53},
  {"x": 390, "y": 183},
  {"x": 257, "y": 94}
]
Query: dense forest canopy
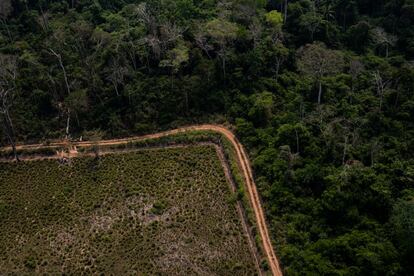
[{"x": 321, "y": 92}]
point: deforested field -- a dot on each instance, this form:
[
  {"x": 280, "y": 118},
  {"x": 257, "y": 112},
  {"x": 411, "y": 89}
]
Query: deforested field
[{"x": 159, "y": 211}]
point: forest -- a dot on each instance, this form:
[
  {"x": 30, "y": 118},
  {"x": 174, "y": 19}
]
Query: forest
[{"x": 320, "y": 92}]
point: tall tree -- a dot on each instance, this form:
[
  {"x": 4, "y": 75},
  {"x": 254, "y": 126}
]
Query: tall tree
[
  {"x": 8, "y": 76},
  {"x": 383, "y": 39},
  {"x": 317, "y": 61},
  {"x": 381, "y": 86},
  {"x": 280, "y": 53},
  {"x": 117, "y": 74},
  {"x": 65, "y": 76},
  {"x": 311, "y": 21},
  {"x": 402, "y": 220},
  {"x": 223, "y": 34},
  {"x": 176, "y": 57}
]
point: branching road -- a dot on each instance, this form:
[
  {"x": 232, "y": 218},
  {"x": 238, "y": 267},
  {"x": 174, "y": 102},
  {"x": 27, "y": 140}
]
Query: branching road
[{"x": 242, "y": 159}]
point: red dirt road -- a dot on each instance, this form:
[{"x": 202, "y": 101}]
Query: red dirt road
[{"x": 242, "y": 159}]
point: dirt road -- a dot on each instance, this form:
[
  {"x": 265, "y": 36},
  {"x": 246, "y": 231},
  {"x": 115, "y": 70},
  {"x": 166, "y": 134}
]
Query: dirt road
[{"x": 244, "y": 165}]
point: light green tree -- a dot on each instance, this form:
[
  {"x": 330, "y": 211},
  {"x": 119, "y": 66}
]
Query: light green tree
[
  {"x": 223, "y": 34},
  {"x": 274, "y": 18},
  {"x": 175, "y": 58}
]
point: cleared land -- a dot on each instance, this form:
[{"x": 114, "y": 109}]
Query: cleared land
[
  {"x": 239, "y": 158},
  {"x": 166, "y": 211}
]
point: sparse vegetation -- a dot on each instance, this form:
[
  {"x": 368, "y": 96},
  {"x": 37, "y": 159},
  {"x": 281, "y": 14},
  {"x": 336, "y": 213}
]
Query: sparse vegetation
[{"x": 162, "y": 211}]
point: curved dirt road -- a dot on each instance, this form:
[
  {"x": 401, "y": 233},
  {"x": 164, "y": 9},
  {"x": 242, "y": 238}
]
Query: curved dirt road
[{"x": 242, "y": 159}]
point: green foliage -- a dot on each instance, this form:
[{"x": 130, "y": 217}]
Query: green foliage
[
  {"x": 318, "y": 61},
  {"x": 403, "y": 223},
  {"x": 323, "y": 102},
  {"x": 176, "y": 57},
  {"x": 221, "y": 30},
  {"x": 262, "y": 109},
  {"x": 274, "y": 18},
  {"x": 358, "y": 36}
]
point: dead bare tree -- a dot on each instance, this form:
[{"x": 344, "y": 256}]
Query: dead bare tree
[
  {"x": 43, "y": 19},
  {"x": 161, "y": 36},
  {"x": 256, "y": 30},
  {"x": 117, "y": 74},
  {"x": 384, "y": 39},
  {"x": 59, "y": 57},
  {"x": 355, "y": 69},
  {"x": 202, "y": 43},
  {"x": 381, "y": 85},
  {"x": 144, "y": 16},
  {"x": 170, "y": 33},
  {"x": 8, "y": 76},
  {"x": 290, "y": 158}
]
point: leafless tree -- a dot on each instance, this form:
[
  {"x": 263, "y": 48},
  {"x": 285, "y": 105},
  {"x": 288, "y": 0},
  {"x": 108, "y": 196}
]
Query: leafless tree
[
  {"x": 256, "y": 30},
  {"x": 349, "y": 130},
  {"x": 355, "y": 69},
  {"x": 381, "y": 85},
  {"x": 285, "y": 153},
  {"x": 202, "y": 43},
  {"x": 8, "y": 76},
  {"x": 337, "y": 131},
  {"x": 43, "y": 19},
  {"x": 117, "y": 74},
  {"x": 59, "y": 57},
  {"x": 170, "y": 32},
  {"x": 382, "y": 38},
  {"x": 144, "y": 16},
  {"x": 160, "y": 36}
]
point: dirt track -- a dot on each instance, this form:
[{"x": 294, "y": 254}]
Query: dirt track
[{"x": 242, "y": 159}]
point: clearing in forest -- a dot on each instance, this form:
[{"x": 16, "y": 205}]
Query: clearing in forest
[{"x": 159, "y": 211}]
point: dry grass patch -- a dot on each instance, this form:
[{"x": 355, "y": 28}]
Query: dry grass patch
[{"x": 149, "y": 212}]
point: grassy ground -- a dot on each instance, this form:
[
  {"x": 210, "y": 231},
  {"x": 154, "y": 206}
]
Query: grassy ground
[{"x": 149, "y": 212}]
